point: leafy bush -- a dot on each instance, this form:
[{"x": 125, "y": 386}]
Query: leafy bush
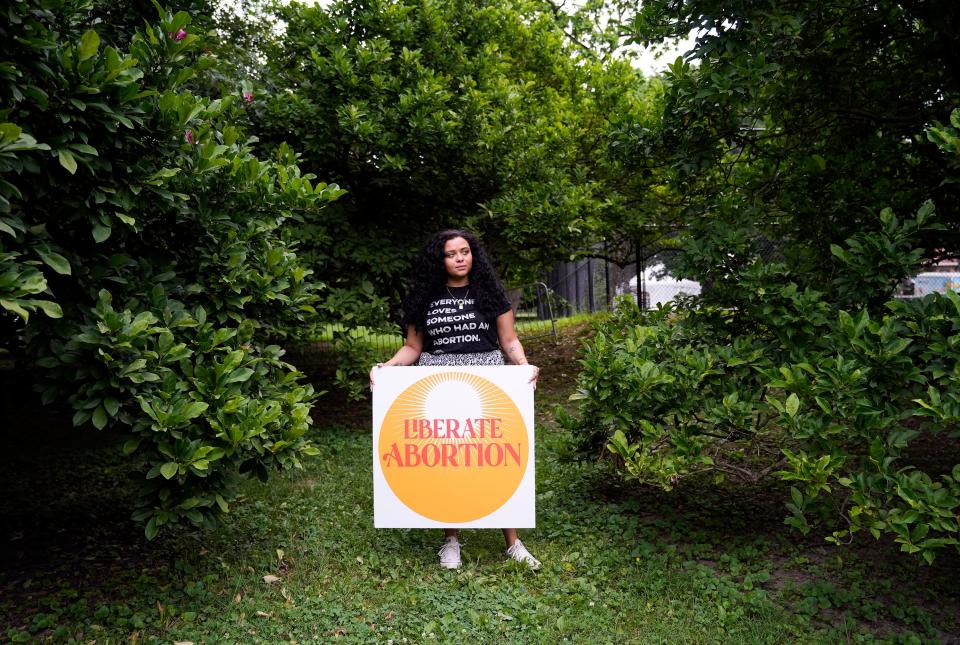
[
  {"x": 203, "y": 403},
  {"x": 827, "y": 393},
  {"x": 355, "y": 355},
  {"x": 136, "y": 218}
]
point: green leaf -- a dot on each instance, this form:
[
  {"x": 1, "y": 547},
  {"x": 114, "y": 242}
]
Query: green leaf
[
  {"x": 910, "y": 516},
  {"x": 194, "y": 410},
  {"x": 9, "y": 132},
  {"x": 898, "y": 345},
  {"x": 55, "y": 261},
  {"x": 99, "y": 418},
  {"x": 14, "y": 306},
  {"x": 169, "y": 469},
  {"x": 796, "y": 496},
  {"x": 67, "y": 160},
  {"x": 112, "y": 58},
  {"x": 80, "y": 417},
  {"x": 239, "y": 375},
  {"x": 130, "y": 446},
  {"x": 151, "y": 529},
  {"x": 927, "y": 208},
  {"x": 89, "y": 43},
  {"x": 50, "y": 308},
  {"x": 840, "y": 253},
  {"x": 111, "y": 405},
  {"x": 84, "y": 148},
  {"x": 101, "y": 232},
  {"x": 793, "y": 404}
]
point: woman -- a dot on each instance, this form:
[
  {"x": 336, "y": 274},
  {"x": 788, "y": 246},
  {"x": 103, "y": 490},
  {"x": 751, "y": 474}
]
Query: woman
[{"x": 453, "y": 270}]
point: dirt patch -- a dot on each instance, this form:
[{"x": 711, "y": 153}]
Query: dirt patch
[{"x": 557, "y": 359}]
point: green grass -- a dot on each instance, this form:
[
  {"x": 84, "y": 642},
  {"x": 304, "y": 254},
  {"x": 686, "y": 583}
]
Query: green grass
[
  {"x": 612, "y": 573},
  {"x": 562, "y": 323},
  {"x": 373, "y": 337},
  {"x": 699, "y": 565},
  {"x": 604, "y": 579},
  {"x": 525, "y": 325}
]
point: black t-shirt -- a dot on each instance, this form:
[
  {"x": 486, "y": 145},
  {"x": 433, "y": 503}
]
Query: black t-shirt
[{"x": 454, "y": 325}]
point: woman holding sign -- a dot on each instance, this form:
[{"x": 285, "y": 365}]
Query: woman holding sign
[{"x": 458, "y": 313}]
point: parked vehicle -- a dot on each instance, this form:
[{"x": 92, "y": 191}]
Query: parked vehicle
[{"x": 661, "y": 289}]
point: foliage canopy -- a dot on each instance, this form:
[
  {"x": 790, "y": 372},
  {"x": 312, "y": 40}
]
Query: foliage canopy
[
  {"x": 813, "y": 125},
  {"x": 800, "y": 121},
  {"x": 448, "y": 113}
]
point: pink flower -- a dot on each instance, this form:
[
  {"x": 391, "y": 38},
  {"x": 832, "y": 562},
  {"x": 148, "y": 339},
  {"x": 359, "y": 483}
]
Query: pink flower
[
  {"x": 248, "y": 97},
  {"x": 188, "y": 136},
  {"x": 180, "y": 35}
]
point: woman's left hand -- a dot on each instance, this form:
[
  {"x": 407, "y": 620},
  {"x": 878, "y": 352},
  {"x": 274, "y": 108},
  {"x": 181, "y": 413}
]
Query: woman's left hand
[{"x": 536, "y": 375}]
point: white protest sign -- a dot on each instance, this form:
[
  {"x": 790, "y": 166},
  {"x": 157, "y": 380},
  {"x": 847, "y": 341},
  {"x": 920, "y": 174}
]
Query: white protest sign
[{"x": 453, "y": 447}]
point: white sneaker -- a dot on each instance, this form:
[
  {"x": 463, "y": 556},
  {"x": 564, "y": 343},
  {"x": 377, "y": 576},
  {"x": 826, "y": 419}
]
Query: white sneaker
[
  {"x": 450, "y": 554},
  {"x": 519, "y": 553}
]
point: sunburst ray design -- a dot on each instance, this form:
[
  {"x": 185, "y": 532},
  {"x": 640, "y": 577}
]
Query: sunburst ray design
[{"x": 492, "y": 405}]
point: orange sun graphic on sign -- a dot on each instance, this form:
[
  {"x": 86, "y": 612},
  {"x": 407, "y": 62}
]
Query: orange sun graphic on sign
[{"x": 453, "y": 447}]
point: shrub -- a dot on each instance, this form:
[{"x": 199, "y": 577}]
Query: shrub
[
  {"x": 827, "y": 393},
  {"x": 146, "y": 262}
]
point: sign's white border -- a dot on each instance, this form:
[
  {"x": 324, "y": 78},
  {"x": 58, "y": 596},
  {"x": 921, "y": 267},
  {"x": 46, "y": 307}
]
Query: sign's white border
[{"x": 389, "y": 512}]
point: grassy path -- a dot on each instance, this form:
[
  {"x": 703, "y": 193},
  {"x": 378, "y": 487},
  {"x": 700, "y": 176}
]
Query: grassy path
[
  {"x": 299, "y": 561},
  {"x": 340, "y": 577}
]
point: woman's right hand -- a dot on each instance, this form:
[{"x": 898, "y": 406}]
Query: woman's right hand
[
  {"x": 372, "y": 370},
  {"x": 406, "y": 355}
]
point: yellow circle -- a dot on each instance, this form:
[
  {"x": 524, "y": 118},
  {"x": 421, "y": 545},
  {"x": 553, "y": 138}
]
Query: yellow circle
[{"x": 451, "y": 473}]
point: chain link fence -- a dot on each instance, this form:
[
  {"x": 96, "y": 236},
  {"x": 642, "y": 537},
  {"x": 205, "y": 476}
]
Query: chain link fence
[
  {"x": 592, "y": 284},
  {"x": 941, "y": 277}
]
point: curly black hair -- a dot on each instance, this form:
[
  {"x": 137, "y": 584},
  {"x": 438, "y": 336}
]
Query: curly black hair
[{"x": 429, "y": 279}]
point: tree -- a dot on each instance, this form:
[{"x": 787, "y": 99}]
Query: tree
[
  {"x": 440, "y": 114},
  {"x": 147, "y": 274},
  {"x": 819, "y": 126},
  {"x": 801, "y": 121}
]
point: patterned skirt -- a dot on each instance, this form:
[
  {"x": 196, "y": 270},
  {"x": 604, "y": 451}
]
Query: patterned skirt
[{"x": 494, "y": 357}]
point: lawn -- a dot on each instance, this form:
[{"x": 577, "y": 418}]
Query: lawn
[
  {"x": 298, "y": 559},
  {"x": 527, "y": 324}
]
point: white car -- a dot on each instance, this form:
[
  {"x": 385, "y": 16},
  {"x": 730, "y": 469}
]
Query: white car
[{"x": 661, "y": 290}]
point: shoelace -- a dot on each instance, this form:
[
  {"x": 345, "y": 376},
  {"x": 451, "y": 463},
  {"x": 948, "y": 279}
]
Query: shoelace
[
  {"x": 449, "y": 550},
  {"x": 519, "y": 552}
]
